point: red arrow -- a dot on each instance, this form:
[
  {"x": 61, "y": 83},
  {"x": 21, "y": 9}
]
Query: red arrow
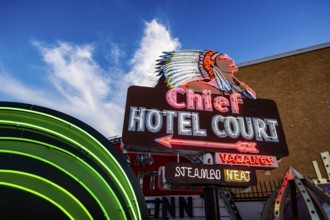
[{"x": 245, "y": 147}]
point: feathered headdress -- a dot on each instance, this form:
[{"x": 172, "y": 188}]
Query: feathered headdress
[{"x": 183, "y": 66}]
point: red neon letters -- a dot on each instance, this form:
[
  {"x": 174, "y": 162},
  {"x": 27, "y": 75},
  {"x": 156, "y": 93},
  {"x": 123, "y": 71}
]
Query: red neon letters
[
  {"x": 246, "y": 160},
  {"x": 203, "y": 102}
]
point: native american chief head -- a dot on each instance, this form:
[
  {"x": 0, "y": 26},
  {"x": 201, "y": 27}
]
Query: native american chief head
[{"x": 186, "y": 67}]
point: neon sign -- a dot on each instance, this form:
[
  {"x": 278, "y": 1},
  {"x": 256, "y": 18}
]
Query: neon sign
[
  {"x": 182, "y": 67},
  {"x": 203, "y": 102},
  {"x": 240, "y": 146},
  {"x": 71, "y": 151},
  {"x": 237, "y": 176},
  {"x": 264, "y": 161},
  {"x": 141, "y": 119},
  {"x": 210, "y": 174},
  {"x": 200, "y": 174},
  {"x": 187, "y": 120}
]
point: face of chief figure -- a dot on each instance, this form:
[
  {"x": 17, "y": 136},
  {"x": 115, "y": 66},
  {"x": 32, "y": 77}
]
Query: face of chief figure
[{"x": 226, "y": 64}]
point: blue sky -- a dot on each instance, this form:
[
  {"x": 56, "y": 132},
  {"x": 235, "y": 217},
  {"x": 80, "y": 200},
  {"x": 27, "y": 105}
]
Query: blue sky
[{"x": 79, "y": 57}]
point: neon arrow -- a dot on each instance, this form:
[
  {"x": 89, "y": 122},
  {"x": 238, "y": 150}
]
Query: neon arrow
[{"x": 245, "y": 147}]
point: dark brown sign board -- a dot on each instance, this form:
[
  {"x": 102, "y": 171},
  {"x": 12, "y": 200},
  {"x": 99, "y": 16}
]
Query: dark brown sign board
[
  {"x": 201, "y": 174},
  {"x": 151, "y": 124}
]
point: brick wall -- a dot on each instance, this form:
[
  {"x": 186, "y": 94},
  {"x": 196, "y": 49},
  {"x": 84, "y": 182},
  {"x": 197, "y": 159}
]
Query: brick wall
[{"x": 300, "y": 85}]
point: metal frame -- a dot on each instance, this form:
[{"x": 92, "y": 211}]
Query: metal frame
[{"x": 295, "y": 184}]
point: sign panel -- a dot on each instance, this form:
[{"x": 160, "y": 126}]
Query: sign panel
[
  {"x": 200, "y": 174},
  {"x": 182, "y": 120},
  {"x": 148, "y": 169},
  {"x": 248, "y": 160}
]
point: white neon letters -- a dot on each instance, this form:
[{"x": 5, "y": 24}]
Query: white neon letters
[
  {"x": 197, "y": 173},
  {"x": 142, "y": 119},
  {"x": 237, "y": 126},
  {"x": 187, "y": 123}
]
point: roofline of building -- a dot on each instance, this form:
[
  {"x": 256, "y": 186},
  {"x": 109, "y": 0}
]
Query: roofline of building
[{"x": 286, "y": 54}]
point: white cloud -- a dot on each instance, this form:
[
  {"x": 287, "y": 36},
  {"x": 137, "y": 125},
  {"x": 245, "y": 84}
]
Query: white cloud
[
  {"x": 18, "y": 91},
  {"x": 156, "y": 39},
  {"x": 116, "y": 53},
  {"x": 86, "y": 91}
]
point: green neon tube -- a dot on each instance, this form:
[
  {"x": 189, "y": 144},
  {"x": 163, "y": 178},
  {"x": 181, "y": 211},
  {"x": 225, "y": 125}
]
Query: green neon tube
[
  {"x": 39, "y": 195},
  {"x": 71, "y": 133},
  {"x": 47, "y": 190},
  {"x": 113, "y": 175},
  {"x": 81, "y": 172}
]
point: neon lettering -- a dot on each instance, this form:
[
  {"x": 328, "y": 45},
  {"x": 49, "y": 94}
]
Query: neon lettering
[
  {"x": 246, "y": 160},
  {"x": 184, "y": 123},
  {"x": 203, "y": 102},
  {"x": 154, "y": 120},
  {"x": 188, "y": 124},
  {"x": 197, "y": 131},
  {"x": 237, "y": 175},
  {"x": 221, "y": 104},
  {"x": 194, "y": 101},
  {"x": 199, "y": 173},
  {"x": 248, "y": 128},
  {"x": 136, "y": 119},
  {"x": 171, "y": 97},
  {"x": 272, "y": 129},
  {"x": 260, "y": 127},
  {"x": 170, "y": 120},
  {"x": 235, "y": 99},
  {"x": 215, "y": 126},
  {"x": 231, "y": 127},
  {"x": 207, "y": 100}
]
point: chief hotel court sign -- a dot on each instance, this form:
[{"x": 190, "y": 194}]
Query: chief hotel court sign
[{"x": 200, "y": 106}]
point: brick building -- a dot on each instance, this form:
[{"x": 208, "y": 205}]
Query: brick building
[{"x": 299, "y": 82}]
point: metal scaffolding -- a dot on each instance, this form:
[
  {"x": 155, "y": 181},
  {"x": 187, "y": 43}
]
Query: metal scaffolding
[{"x": 296, "y": 193}]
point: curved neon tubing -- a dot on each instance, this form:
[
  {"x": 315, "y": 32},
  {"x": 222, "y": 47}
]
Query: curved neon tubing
[
  {"x": 39, "y": 195},
  {"x": 41, "y": 186},
  {"x": 87, "y": 177},
  {"x": 128, "y": 193},
  {"x": 103, "y": 154},
  {"x": 92, "y": 155}
]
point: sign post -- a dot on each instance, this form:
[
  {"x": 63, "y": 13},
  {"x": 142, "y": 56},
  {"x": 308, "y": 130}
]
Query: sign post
[{"x": 211, "y": 203}]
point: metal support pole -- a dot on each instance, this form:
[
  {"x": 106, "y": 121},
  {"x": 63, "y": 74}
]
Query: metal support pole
[{"x": 211, "y": 203}]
